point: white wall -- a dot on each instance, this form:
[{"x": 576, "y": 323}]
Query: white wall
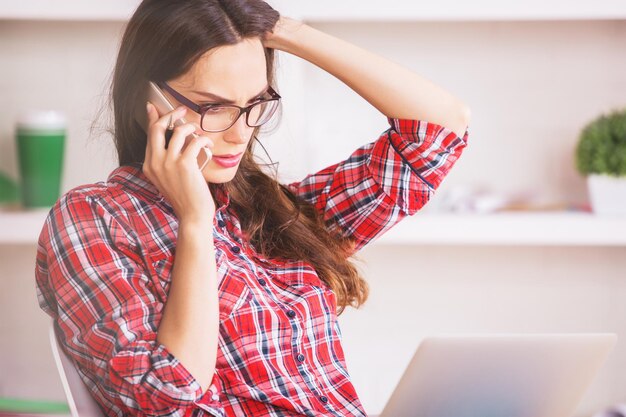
[
  {"x": 531, "y": 87},
  {"x": 420, "y": 290}
]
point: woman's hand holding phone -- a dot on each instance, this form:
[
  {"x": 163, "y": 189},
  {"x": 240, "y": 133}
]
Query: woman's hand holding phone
[{"x": 174, "y": 170}]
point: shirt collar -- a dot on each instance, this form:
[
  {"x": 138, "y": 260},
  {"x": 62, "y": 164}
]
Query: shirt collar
[{"x": 132, "y": 176}]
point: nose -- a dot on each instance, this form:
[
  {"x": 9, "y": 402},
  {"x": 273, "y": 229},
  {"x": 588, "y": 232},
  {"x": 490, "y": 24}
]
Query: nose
[{"x": 239, "y": 132}]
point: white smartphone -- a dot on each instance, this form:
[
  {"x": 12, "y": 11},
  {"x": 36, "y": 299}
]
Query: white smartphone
[{"x": 155, "y": 95}]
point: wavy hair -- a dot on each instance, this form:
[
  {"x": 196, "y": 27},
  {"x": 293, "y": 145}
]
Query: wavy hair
[{"x": 162, "y": 40}]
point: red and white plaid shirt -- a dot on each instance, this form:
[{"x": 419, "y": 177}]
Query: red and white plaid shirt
[{"x": 103, "y": 271}]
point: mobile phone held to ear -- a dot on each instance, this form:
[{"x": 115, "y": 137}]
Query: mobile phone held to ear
[{"x": 155, "y": 96}]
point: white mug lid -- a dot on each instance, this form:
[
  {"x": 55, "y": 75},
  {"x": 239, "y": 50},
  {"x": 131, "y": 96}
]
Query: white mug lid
[{"x": 41, "y": 119}]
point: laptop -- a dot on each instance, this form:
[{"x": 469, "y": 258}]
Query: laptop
[{"x": 503, "y": 375}]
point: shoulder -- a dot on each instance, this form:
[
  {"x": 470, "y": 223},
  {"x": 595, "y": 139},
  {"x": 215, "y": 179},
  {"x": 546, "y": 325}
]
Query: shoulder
[
  {"x": 126, "y": 201},
  {"x": 126, "y": 193}
]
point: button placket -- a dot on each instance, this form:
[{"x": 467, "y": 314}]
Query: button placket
[
  {"x": 221, "y": 223},
  {"x": 301, "y": 359}
]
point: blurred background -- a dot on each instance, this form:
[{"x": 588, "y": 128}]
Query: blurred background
[{"x": 509, "y": 242}]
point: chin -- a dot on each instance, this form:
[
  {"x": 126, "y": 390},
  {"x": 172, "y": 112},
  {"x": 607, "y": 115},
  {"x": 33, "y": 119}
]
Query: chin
[{"x": 219, "y": 177}]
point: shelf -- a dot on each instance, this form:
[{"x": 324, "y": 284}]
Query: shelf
[
  {"x": 510, "y": 228},
  {"x": 346, "y": 10},
  {"x": 79, "y": 10},
  {"x": 452, "y": 10},
  {"x": 514, "y": 228},
  {"x": 21, "y": 227}
]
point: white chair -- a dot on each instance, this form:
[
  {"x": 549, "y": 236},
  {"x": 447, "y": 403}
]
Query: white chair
[{"x": 79, "y": 399}]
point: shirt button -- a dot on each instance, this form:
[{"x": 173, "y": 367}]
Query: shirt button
[
  {"x": 221, "y": 223},
  {"x": 300, "y": 357},
  {"x": 291, "y": 313},
  {"x": 324, "y": 399},
  {"x": 262, "y": 281},
  {"x": 215, "y": 397},
  {"x": 235, "y": 249}
]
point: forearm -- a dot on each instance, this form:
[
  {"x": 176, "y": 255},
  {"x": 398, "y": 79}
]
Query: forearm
[
  {"x": 394, "y": 90},
  {"x": 190, "y": 323}
]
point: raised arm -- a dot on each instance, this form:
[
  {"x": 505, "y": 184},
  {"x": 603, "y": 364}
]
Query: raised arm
[
  {"x": 407, "y": 95},
  {"x": 382, "y": 181}
]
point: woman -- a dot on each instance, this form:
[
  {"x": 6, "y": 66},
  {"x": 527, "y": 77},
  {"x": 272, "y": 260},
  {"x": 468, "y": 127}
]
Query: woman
[{"x": 179, "y": 291}]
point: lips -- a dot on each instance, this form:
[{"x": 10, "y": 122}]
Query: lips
[
  {"x": 226, "y": 161},
  {"x": 228, "y": 155}
]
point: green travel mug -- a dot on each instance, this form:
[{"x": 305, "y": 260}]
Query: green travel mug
[{"x": 40, "y": 137}]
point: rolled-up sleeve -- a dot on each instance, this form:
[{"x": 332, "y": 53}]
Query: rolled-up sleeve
[
  {"x": 106, "y": 309},
  {"x": 383, "y": 181}
]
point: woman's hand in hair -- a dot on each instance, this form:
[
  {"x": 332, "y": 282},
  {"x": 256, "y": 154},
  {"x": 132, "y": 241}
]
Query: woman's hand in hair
[
  {"x": 283, "y": 29},
  {"x": 174, "y": 170}
]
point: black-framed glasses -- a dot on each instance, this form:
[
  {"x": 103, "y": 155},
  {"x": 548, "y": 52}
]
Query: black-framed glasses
[{"x": 220, "y": 117}]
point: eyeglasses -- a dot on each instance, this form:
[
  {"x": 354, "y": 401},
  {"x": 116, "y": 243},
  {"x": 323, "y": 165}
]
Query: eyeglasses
[{"x": 220, "y": 117}]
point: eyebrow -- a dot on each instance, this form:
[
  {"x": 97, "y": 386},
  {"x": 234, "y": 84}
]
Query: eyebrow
[{"x": 225, "y": 100}]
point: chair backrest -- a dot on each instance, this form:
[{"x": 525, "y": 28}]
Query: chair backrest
[{"x": 79, "y": 399}]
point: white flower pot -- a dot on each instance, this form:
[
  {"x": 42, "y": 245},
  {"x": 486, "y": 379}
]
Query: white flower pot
[{"x": 607, "y": 194}]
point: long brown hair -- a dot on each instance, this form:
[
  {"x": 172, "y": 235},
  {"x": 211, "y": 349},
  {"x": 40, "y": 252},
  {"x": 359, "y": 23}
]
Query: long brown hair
[{"x": 162, "y": 40}]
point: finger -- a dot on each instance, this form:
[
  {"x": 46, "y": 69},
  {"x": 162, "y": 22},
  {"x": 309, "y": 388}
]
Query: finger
[
  {"x": 199, "y": 129},
  {"x": 177, "y": 142},
  {"x": 164, "y": 121},
  {"x": 194, "y": 147},
  {"x": 158, "y": 129}
]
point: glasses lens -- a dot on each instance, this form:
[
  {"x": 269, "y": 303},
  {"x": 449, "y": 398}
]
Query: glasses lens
[
  {"x": 262, "y": 112},
  {"x": 220, "y": 118}
]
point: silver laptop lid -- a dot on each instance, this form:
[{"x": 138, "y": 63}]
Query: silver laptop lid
[{"x": 503, "y": 375}]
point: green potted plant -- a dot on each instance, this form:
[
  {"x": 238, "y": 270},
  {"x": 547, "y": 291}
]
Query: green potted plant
[{"x": 601, "y": 157}]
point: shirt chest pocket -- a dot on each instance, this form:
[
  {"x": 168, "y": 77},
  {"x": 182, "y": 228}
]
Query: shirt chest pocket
[
  {"x": 296, "y": 274},
  {"x": 299, "y": 283}
]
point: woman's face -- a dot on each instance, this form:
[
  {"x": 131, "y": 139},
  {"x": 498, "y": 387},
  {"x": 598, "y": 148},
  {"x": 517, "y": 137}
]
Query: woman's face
[{"x": 233, "y": 72}]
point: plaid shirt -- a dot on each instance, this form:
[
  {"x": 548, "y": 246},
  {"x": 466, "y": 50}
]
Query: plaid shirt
[{"x": 103, "y": 271}]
